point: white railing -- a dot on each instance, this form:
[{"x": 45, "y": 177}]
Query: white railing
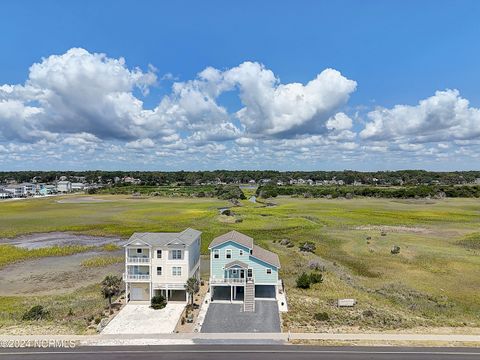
[
  {"x": 138, "y": 260},
  {"x": 227, "y": 281},
  {"x": 132, "y": 277}
]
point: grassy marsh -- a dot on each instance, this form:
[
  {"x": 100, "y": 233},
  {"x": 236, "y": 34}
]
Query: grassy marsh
[{"x": 433, "y": 281}]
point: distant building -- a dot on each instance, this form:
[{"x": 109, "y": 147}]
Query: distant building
[
  {"x": 131, "y": 180},
  {"x": 78, "y": 186},
  {"x": 64, "y": 186},
  {"x": 4, "y": 194},
  {"x": 16, "y": 191},
  {"x": 29, "y": 189},
  {"x": 253, "y": 199},
  {"x": 252, "y": 182},
  {"x": 47, "y": 189}
]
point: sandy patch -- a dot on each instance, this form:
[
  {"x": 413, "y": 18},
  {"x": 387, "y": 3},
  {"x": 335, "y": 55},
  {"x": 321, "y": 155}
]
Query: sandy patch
[
  {"x": 41, "y": 240},
  {"x": 53, "y": 275},
  {"x": 395, "y": 229}
]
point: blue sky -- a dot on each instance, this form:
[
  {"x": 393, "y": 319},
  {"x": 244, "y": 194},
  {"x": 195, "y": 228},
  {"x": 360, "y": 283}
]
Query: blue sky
[{"x": 393, "y": 84}]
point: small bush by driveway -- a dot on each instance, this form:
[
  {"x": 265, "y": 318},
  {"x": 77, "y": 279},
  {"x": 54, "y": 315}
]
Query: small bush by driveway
[
  {"x": 222, "y": 318},
  {"x": 141, "y": 319}
]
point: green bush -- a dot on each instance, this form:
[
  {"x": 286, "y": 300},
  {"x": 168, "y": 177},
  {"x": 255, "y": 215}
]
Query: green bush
[
  {"x": 315, "y": 278},
  {"x": 158, "y": 302},
  {"x": 395, "y": 249},
  {"x": 321, "y": 316},
  {"x": 36, "y": 312},
  {"x": 303, "y": 281}
]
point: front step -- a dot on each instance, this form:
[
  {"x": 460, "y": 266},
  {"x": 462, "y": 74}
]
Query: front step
[{"x": 249, "y": 298}]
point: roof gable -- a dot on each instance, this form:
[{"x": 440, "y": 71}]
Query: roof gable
[
  {"x": 136, "y": 242},
  {"x": 233, "y": 236}
]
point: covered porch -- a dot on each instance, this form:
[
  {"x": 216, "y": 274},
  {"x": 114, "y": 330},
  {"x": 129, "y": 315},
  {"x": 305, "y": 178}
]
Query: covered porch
[{"x": 231, "y": 287}]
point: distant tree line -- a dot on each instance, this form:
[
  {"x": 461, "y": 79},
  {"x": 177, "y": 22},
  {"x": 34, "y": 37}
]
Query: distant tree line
[
  {"x": 158, "y": 178},
  {"x": 348, "y": 191}
]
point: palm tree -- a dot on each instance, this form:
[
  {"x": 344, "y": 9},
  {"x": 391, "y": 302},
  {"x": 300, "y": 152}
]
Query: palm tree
[
  {"x": 192, "y": 286},
  {"x": 110, "y": 287}
]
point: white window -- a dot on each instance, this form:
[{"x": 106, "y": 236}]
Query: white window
[
  {"x": 228, "y": 254},
  {"x": 216, "y": 254},
  {"x": 241, "y": 252},
  {"x": 159, "y": 270},
  {"x": 139, "y": 251},
  {"x": 176, "y": 254},
  {"x": 269, "y": 271},
  {"x": 159, "y": 254},
  {"x": 176, "y": 271}
]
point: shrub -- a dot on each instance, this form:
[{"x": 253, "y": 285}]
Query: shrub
[
  {"x": 303, "y": 281},
  {"x": 316, "y": 265},
  {"x": 36, "y": 312},
  {"x": 321, "y": 316},
  {"x": 158, "y": 302},
  {"x": 315, "y": 278},
  {"x": 395, "y": 249},
  {"x": 471, "y": 241},
  {"x": 308, "y": 247},
  {"x": 368, "y": 313}
]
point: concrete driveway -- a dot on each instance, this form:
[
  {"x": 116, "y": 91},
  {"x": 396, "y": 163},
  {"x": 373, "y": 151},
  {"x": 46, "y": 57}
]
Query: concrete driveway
[
  {"x": 225, "y": 318},
  {"x": 141, "y": 319}
]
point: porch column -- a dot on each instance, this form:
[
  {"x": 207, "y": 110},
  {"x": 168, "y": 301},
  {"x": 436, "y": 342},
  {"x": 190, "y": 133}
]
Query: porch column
[{"x": 231, "y": 293}]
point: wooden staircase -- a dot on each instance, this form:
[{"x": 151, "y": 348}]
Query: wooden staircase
[{"x": 249, "y": 298}]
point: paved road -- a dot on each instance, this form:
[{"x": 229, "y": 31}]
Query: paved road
[{"x": 284, "y": 352}]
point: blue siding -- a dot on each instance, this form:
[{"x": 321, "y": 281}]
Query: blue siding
[{"x": 259, "y": 267}]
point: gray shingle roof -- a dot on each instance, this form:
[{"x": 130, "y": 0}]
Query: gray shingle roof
[
  {"x": 235, "y": 236},
  {"x": 257, "y": 252},
  {"x": 186, "y": 237},
  {"x": 266, "y": 256}
]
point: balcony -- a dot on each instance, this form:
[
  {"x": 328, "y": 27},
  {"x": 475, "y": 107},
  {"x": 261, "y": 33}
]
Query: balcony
[
  {"x": 227, "y": 281},
  {"x": 136, "y": 277},
  {"x": 138, "y": 260}
]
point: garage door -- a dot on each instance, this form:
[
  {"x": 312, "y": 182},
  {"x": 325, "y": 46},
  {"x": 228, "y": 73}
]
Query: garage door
[
  {"x": 137, "y": 294},
  {"x": 265, "y": 292}
]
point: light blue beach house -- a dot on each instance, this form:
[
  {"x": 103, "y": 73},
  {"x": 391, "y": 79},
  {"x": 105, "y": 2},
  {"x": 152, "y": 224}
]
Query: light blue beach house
[{"x": 241, "y": 271}]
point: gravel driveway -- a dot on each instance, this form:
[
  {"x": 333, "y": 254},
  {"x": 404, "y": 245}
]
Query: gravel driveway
[{"x": 221, "y": 318}]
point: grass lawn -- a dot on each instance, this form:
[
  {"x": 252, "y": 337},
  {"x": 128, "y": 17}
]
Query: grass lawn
[{"x": 433, "y": 281}]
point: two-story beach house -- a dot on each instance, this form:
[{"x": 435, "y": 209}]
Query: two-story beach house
[
  {"x": 242, "y": 271},
  {"x": 161, "y": 264}
]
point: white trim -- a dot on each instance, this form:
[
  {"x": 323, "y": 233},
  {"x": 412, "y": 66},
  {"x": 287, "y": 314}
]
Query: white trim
[
  {"x": 236, "y": 242},
  {"x": 137, "y": 240}
]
